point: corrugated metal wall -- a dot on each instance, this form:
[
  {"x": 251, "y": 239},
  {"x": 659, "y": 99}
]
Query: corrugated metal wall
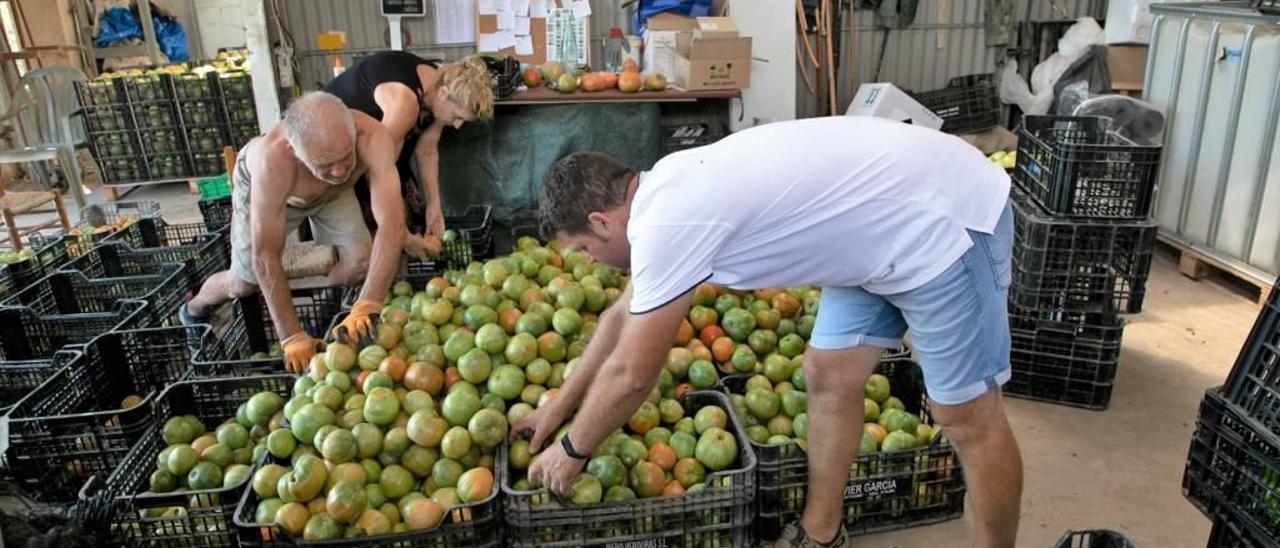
[
  {"x": 947, "y": 39},
  {"x": 367, "y": 31}
]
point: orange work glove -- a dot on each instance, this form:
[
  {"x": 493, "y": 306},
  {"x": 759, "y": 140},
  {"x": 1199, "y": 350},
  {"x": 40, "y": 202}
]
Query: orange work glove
[
  {"x": 359, "y": 322},
  {"x": 298, "y": 350}
]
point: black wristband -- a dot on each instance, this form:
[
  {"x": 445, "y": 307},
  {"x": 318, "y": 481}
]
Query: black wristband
[{"x": 569, "y": 450}]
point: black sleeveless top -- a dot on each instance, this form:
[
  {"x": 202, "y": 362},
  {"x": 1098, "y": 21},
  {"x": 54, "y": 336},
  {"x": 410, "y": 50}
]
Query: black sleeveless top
[{"x": 355, "y": 86}]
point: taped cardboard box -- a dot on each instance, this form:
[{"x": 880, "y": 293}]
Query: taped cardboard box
[{"x": 713, "y": 57}]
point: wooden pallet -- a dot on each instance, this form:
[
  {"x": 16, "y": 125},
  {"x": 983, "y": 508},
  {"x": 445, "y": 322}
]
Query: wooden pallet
[{"x": 1196, "y": 265}]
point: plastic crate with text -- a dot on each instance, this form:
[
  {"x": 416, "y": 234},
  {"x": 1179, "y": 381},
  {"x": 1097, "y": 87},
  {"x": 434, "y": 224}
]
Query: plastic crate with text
[
  {"x": 116, "y": 259},
  {"x": 85, "y": 417},
  {"x": 1088, "y": 265},
  {"x": 1094, "y": 538},
  {"x": 474, "y": 242},
  {"x": 1075, "y": 166},
  {"x": 466, "y": 525},
  {"x": 249, "y": 342},
  {"x": 70, "y": 293},
  {"x": 135, "y": 515},
  {"x": 967, "y": 105},
  {"x": 1254, "y": 382},
  {"x": 885, "y": 491},
  {"x": 719, "y": 515},
  {"x": 1233, "y": 467},
  {"x": 156, "y": 233}
]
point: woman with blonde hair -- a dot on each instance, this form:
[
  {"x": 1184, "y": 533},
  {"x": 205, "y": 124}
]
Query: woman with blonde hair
[{"x": 416, "y": 98}]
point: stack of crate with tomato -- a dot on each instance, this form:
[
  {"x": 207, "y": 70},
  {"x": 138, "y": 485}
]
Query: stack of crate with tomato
[{"x": 906, "y": 474}]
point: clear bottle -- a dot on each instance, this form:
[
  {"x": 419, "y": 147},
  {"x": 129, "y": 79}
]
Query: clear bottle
[{"x": 613, "y": 50}]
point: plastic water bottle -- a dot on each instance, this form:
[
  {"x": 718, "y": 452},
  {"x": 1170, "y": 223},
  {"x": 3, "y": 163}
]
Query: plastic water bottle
[{"x": 613, "y": 50}]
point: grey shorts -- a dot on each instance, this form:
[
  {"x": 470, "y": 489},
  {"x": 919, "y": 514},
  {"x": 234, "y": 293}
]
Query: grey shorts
[{"x": 337, "y": 222}]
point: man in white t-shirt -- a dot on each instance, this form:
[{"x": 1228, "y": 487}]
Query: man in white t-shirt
[{"x": 902, "y": 227}]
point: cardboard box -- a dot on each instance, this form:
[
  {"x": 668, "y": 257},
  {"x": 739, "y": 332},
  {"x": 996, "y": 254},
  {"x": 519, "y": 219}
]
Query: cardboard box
[
  {"x": 884, "y": 100},
  {"x": 661, "y": 41},
  {"x": 1127, "y": 66},
  {"x": 714, "y": 63},
  {"x": 715, "y": 27}
]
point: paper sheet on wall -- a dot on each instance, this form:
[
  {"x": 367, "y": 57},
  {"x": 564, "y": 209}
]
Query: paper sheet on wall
[
  {"x": 488, "y": 42},
  {"x": 521, "y": 8},
  {"x": 455, "y": 21},
  {"x": 504, "y": 5},
  {"x": 581, "y": 8},
  {"x": 538, "y": 9},
  {"x": 524, "y": 45},
  {"x": 486, "y": 7},
  {"x": 506, "y": 39},
  {"x": 522, "y": 26},
  {"x": 506, "y": 20}
]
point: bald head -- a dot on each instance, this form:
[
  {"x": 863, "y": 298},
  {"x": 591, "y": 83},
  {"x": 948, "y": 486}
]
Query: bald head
[{"x": 322, "y": 133}]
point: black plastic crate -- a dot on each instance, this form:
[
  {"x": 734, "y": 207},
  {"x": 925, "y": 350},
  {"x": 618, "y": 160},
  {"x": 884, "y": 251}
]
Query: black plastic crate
[
  {"x": 719, "y": 515},
  {"x": 107, "y": 117},
  {"x": 124, "y": 170},
  {"x": 242, "y": 133},
  {"x": 205, "y": 517},
  {"x": 250, "y": 331},
  {"x": 195, "y": 86},
  {"x": 148, "y": 87},
  {"x": 153, "y": 233},
  {"x": 101, "y": 91},
  {"x": 1079, "y": 265},
  {"x": 71, "y": 293},
  {"x": 1230, "y": 530},
  {"x": 1069, "y": 364},
  {"x": 111, "y": 144},
  {"x": 885, "y": 491},
  {"x": 967, "y": 105},
  {"x": 240, "y": 110},
  {"x": 1233, "y": 466},
  {"x": 117, "y": 260},
  {"x": 48, "y": 256},
  {"x": 168, "y": 166},
  {"x": 155, "y": 114},
  {"x": 162, "y": 141},
  {"x": 75, "y": 425},
  {"x": 202, "y": 112},
  {"x": 89, "y": 231},
  {"x": 1094, "y": 538},
  {"x": 470, "y": 525},
  {"x": 1253, "y": 384},
  {"x": 205, "y": 137},
  {"x": 506, "y": 75},
  {"x": 234, "y": 84},
  {"x": 685, "y": 136},
  {"x": 1075, "y": 166},
  {"x": 1269, "y": 7},
  {"x": 208, "y": 164},
  {"x": 20, "y": 377},
  {"x": 474, "y": 243},
  {"x": 216, "y": 212}
]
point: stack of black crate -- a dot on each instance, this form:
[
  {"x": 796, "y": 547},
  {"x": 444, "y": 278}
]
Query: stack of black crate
[{"x": 1082, "y": 251}]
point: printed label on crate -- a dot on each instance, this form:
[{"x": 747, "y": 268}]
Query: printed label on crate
[
  {"x": 666, "y": 542},
  {"x": 884, "y": 487}
]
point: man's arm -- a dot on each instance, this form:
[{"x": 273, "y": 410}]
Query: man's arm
[
  {"x": 428, "y": 155},
  {"x": 377, "y": 150},
  {"x": 399, "y": 110},
  {"x": 266, "y": 227},
  {"x": 632, "y": 369}
]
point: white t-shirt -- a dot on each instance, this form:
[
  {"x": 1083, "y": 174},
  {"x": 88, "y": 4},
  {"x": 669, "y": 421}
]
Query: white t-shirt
[{"x": 842, "y": 201}]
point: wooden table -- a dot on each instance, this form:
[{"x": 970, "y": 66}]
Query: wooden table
[{"x": 548, "y": 96}]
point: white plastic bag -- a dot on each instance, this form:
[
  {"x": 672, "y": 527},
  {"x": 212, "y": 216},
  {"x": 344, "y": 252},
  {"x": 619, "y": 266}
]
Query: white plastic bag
[{"x": 1037, "y": 98}]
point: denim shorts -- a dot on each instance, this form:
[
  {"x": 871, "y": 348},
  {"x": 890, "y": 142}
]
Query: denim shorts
[{"x": 958, "y": 321}]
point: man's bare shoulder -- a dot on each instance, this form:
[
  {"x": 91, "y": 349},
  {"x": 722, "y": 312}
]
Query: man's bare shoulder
[{"x": 270, "y": 156}]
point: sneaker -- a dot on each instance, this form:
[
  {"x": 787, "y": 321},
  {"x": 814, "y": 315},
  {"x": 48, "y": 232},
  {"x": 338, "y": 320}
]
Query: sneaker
[
  {"x": 794, "y": 536},
  {"x": 194, "y": 336}
]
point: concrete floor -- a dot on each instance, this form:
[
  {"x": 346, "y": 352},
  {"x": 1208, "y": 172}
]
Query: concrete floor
[{"x": 1119, "y": 469}]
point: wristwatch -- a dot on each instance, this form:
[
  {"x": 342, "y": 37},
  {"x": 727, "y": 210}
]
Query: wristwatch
[{"x": 569, "y": 450}]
